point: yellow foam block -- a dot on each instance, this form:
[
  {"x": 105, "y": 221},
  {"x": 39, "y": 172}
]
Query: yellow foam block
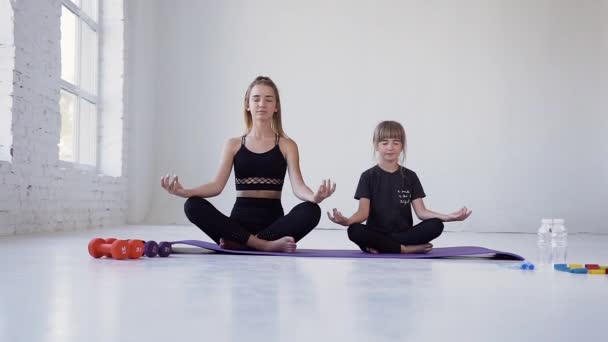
[
  {"x": 596, "y": 271},
  {"x": 603, "y": 267},
  {"x": 576, "y": 266}
]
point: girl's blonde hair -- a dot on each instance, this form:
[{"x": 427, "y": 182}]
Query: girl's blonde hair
[
  {"x": 276, "y": 123},
  {"x": 390, "y": 130}
]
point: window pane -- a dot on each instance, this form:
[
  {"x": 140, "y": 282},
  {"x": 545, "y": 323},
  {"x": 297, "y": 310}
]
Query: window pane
[
  {"x": 68, "y": 45},
  {"x": 87, "y": 133},
  {"x": 90, "y": 8},
  {"x": 67, "y": 107},
  {"x": 89, "y": 59}
]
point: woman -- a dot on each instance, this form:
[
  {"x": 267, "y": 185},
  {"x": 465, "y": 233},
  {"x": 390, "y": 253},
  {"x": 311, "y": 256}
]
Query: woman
[{"x": 260, "y": 158}]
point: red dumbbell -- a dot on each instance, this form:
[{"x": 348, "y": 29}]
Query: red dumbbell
[
  {"x": 109, "y": 241},
  {"x": 149, "y": 248},
  {"x": 135, "y": 248},
  {"x": 118, "y": 249}
]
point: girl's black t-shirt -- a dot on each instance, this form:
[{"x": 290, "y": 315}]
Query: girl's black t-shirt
[{"x": 390, "y": 195}]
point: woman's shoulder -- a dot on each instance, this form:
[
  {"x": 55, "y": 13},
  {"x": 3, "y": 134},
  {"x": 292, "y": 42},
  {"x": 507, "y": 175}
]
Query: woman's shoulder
[
  {"x": 287, "y": 144},
  {"x": 233, "y": 144},
  {"x": 235, "y": 141}
]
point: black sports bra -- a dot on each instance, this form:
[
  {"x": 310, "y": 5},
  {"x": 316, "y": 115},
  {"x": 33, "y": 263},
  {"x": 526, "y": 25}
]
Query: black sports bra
[{"x": 259, "y": 171}]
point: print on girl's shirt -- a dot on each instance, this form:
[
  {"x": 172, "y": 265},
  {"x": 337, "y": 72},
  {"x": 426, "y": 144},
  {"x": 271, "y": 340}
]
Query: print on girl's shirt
[{"x": 404, "y": 196}]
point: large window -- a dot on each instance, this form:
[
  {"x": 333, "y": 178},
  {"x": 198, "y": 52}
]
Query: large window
[{"x": 79, "y": 81}]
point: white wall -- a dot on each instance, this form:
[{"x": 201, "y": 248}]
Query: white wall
[
  {"x": 141, "y": 49},
  {"x": 37, "y": 191},
  {"x": 504, "y": 102}
]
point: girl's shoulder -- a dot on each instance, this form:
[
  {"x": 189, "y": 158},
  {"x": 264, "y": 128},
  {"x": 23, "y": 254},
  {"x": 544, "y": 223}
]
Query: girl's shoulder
[
  {"x": 371, "y": 171},
  {"x": 408, "y": 174},
  {"x": 407, "y": 171}
]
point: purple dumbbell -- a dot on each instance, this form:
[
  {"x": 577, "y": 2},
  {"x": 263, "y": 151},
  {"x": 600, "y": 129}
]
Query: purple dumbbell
[
  {"x": 164, "y": 249},
  {"x": 150, "y": 249}
]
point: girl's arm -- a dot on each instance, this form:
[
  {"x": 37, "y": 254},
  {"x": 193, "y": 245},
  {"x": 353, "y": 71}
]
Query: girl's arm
[
  {"x": 424, "y": 214},
  {"x": 359, "y": 216},
  {"x": 213, "y": 188},
  {"x": 300, "y": 190}
]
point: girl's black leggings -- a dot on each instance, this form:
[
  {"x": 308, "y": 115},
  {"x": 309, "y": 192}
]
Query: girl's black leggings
[
  {"x": 263, "y": 217},
  {"x": 368, "y": 237}
]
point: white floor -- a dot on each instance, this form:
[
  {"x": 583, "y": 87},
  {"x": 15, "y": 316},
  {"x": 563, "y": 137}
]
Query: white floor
[{"x": 51, "y": 290}]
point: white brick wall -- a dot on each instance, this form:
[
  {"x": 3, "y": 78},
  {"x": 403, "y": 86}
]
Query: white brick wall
[
  {"x": 7, "y": 63},
  {"x": 38, "y": 192}
]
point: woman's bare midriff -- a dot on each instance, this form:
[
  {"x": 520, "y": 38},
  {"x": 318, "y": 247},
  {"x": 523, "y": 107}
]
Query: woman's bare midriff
[{"x": 259, "y": 194}]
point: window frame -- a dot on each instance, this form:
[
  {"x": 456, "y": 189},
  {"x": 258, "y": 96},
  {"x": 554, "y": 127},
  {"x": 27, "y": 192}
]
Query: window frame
[{"x": 77, "y": 89}]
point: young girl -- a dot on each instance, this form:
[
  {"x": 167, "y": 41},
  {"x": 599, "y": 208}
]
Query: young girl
[
  {"x": 261, "y": 158},
  {"x": 386, "y": 193}
]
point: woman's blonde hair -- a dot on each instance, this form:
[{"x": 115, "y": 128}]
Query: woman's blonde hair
[
  {"x": 390, "y": 130},
  {"x": 276, "y": 123}
]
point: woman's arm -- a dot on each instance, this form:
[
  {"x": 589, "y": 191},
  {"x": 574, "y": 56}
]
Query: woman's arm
[
  {"x": 300, "y": 190},
  {"x": 213, "y": 188},
  {"x": 424, "y": 214},
  {"x": 359, "y": 216}
]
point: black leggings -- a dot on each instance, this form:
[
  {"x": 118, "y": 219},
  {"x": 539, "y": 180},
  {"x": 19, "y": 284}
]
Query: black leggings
[
  {"x": 263, "y": 217},
  {"x": 368, "y": 237}
]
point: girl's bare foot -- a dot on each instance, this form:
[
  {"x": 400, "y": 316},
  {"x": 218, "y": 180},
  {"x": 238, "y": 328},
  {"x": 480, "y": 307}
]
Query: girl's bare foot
[
  {"x": 227, "y": 244},
  {"x": 285, "y": 244},
  {"x": 371, "y": 250},
  {"x": 416, "y": 249}
]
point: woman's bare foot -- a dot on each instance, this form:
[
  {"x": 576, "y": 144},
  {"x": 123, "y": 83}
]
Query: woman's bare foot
[
  {"x": 371, "y": 250},
  {"x": 227, "y": 244},
  {"x": 285, "y": 244},
  {"x": 416, "y": 249}
]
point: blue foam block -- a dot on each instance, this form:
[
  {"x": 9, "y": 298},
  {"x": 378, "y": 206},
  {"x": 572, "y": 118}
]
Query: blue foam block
[{"x": 578, "y": 270}]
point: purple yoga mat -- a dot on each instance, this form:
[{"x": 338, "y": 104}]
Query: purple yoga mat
[{"x": 440, "y": 252}]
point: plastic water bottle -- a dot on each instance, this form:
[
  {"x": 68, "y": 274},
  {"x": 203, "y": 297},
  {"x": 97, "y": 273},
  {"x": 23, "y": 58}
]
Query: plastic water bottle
[
  {"x": 559, "y": 241},
  {"x": 544, "y": 242}
]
